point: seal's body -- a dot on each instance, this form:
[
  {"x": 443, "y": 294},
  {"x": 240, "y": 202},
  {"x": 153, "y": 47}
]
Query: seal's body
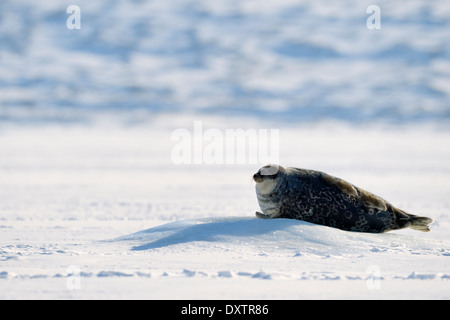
[{"x": 317, "y": 197}]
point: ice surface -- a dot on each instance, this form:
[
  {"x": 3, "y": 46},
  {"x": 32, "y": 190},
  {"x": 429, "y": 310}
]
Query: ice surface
[
  {"x": 105, "y": 208},
  {"x": 291, "y": 60},
  {"x": 92, "y": 204}
]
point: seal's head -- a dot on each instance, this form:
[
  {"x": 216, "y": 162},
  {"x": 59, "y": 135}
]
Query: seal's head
[{"x": 267, "y": 178}]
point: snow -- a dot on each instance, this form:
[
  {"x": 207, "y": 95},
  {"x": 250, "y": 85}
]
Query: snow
[
  {"x": 93, "y": 205},
  {"x": 291, "y": 59},
  {"x": 102, "y": 212}
]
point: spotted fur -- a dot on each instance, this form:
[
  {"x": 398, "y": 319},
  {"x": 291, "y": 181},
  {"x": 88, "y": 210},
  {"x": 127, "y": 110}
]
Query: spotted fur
[{"x": 319, "y": 198}]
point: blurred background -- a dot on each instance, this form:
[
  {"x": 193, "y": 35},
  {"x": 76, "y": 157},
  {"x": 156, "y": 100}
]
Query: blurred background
[{"x": 290, "y": 60}]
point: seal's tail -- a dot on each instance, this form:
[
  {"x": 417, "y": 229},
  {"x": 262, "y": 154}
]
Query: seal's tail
[{"x": 419, "y": 223}]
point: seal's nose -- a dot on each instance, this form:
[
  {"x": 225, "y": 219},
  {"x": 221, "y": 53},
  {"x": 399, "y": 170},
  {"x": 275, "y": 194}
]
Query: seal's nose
[{"x": 257, "y": 177}]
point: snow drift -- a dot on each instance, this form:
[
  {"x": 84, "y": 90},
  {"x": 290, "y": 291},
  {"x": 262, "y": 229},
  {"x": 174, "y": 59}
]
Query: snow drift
[{"x": 279, "y": 234}]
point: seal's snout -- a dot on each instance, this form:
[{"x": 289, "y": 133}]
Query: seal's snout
[{"x": 257, "y": 177}]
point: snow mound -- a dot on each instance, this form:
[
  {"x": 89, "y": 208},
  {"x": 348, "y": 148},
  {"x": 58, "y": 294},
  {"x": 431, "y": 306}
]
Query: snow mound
[{"x": 278, "y": 234}]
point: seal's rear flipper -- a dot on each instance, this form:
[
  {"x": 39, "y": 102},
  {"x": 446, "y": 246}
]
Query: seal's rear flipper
[
  {"x": 260, "y": 215},
  {"x": 420, "y": 223}
]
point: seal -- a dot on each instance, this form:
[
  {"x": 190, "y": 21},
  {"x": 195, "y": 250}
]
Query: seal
[{"x": 319, "y": 198}]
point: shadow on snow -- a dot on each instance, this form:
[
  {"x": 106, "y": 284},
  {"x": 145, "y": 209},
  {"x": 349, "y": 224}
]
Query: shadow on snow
[{"x": 210, "y": 230}]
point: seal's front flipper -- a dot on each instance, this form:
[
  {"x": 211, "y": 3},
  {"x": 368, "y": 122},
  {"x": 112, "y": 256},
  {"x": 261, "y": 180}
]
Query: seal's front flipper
[{"x": 260, "y": 215}]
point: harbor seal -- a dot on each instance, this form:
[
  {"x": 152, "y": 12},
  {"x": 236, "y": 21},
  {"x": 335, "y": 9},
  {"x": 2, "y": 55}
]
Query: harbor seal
[{"x": 319, "y": 198}]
